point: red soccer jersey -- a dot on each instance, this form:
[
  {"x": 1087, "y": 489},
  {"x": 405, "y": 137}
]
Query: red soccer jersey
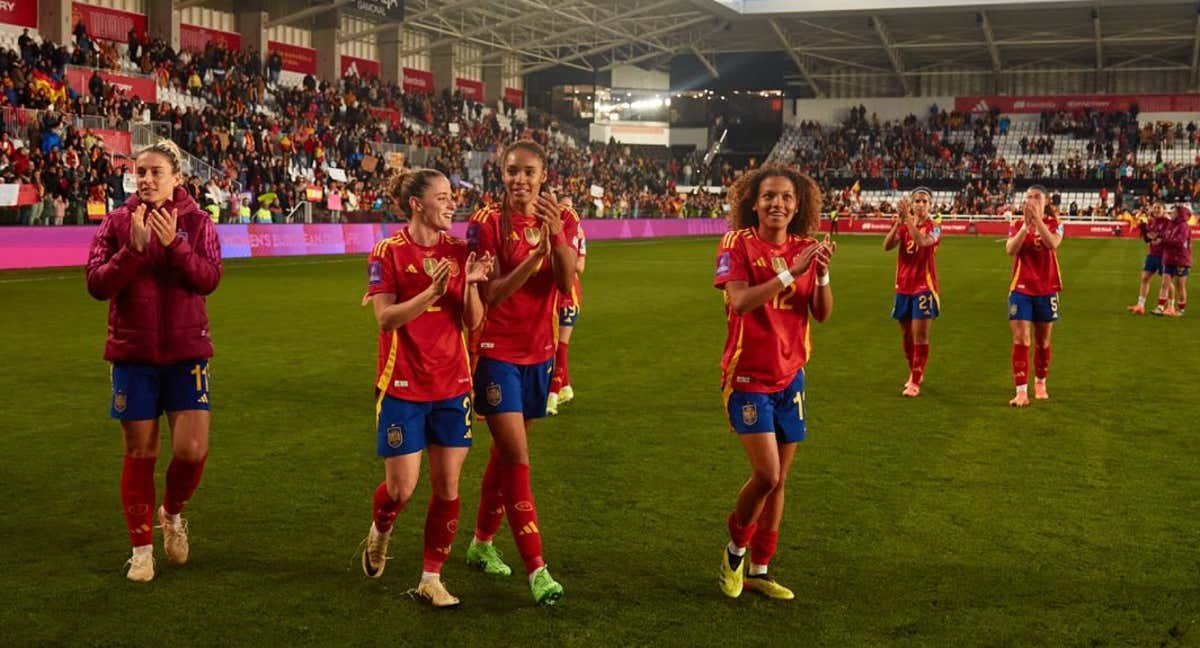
[
  {"x": 915, "y": 271},
  {"x": 575, "y": 297},
  {"x": 768, "y": 346},
  {"x": 424, "y": 360},
  {"x": 1035, "y": 267},
  {"x": 522, "y": 329},
  {"x": 1154, "y": 229}
]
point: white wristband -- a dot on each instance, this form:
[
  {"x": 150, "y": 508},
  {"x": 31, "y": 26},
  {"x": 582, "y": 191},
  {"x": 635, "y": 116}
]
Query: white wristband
[
  {"x": 785, "y": 277},
  {"x": 823, "y": 281}
]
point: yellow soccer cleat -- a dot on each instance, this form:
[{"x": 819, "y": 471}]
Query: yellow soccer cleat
[
  {"x": 566, "y": 394},
  {"x": 731, "y": 577},
  {"x": 374, "y": 555},
  {"x": 141, "y": 566},
  {"x": 552, "y": 404},
  {"x": 435, "y": 593},
  {"x": 175, "y": 537},
  {"x": 767, "y": 586}
]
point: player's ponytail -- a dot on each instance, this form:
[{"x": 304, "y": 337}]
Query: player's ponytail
[{"x": 409, "y": 184}]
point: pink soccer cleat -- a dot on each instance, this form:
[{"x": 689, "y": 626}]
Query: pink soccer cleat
[
  {"x": 1039, "y": 391},
  {"x": 1020, "y": 400},
  {"x": 911, "y": 390},
  {"x": 1136, "y": 309}
]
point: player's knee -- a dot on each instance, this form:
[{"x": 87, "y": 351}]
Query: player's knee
[
  {"x": 767, "y": 478},
  {"x": 400, "y": 491},
  {"x": 191, "y": 452},
  {"x": 145, "y": 452}
]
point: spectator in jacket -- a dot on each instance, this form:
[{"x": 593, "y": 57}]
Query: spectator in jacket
[{"x": 155, "y": 259}]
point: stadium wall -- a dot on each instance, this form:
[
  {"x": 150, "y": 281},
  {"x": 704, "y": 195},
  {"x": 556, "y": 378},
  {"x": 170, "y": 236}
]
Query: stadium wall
[
  {"x": 829, "y": 111},
  {"x": 49, "y": 247}
]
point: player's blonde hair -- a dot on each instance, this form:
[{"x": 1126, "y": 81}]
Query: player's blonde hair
[
  {"x": 406, "y": 184},
  {"x": 169, "y": 150},
  {"x": 744, "y": 193}
]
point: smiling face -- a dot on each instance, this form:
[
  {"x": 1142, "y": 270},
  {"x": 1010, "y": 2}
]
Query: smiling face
[
  {"x": 435, "y": 207},
  {"x": 523, "y": 175},
  {"x": 776, "y": 203},
  {"x": 156, "y": 180}
]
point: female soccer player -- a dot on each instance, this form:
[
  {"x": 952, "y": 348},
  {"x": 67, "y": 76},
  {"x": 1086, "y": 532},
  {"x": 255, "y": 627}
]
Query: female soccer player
[
  {"x": 530, "y": 236},
  {"x": 569, "y": 307},
  {"x": 1033, "y": 293},
  {"x": 423, "y": 285},
  {"x": 154, "y": 259},
  {"x": 917, "y": 302},
  {"x": 773, "y": 275},
  {"x": 1152, "y": 233},
  {"x": 1177, "y": 258}
]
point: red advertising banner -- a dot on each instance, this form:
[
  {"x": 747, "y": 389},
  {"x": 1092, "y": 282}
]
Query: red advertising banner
[
  {"x": 295, "y": 58},
  {"x": 115, "y": 141},
  {"x": 22, "y": 13},
  {"x": 361, "y": 68},
  {"x": 194, "y": 38},
  {"x": 141, "y": 87},
  {"x": 472, "y": 90},
  {"x": 102, "y": 22},
  {"x": 1070, "y": 103},
  {"x": 393, "y": 117},
  {"x": 515, "y": 97},
  {"x": 417, "y": 81}
]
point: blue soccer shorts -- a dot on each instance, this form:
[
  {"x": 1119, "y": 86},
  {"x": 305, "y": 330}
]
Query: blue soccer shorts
[
  {"x": 405, "y": 427},
  {"x": 142, "y": 392},
  {"x": 502, "y": 387},
  {"x": 924, "y": 305},
  {"x": 781, "y": 412},
  {"x": 1029, "y": 308}
]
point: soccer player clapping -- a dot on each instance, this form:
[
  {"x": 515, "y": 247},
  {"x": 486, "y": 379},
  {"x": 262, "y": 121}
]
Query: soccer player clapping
[
  {"x": 917, "y": 302},
  {"x": 773, "y": 275},
  {"x": 1033, "y": 292}
]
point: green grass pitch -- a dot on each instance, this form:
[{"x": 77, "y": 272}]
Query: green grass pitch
[{"x": 947, "y": 520}]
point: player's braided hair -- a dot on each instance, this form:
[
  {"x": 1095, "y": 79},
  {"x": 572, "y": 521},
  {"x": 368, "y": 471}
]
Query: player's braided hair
[
  {"x": 169, "y": 150},
  {"x": 744, "y": 193},
  {"x": 519, "y": 145},
  {"x": 405, "y": 184}
]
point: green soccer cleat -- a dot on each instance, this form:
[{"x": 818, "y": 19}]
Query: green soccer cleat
[
  {"x": 566, "y": 394},
  {"x": 731, "y": 577},
  {"x": 546, "y": 590},
  {"x": 485, "y": 558},
  {"x": 552, "y": 404},
  {"x": 768, "y": 587}
]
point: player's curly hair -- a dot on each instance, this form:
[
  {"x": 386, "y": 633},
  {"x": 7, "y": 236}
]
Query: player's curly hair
[
  {"x": 406, "y": 184},
  {"x": 744, "y": 193}
]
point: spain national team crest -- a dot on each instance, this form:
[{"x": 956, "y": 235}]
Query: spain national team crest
[
  {"x": 778, "y": 264},
  {"x": 533, "y": 235},
  {"x": 749, "y": 414},
  {"x": 493, "y": 395},
  {"x": 395, "y": 436},
  {"x": 1012, "y": 310},
  {"x": 119, "y": 402},
  {"x": 430, "y": 264}
]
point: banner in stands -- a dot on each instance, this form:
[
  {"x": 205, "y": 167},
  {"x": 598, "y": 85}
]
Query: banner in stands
[
  {"x": 361, "y": 68},
  {"x": 22, "y": 13},
  {"x": 193, "y": 38},
  {"x": 393, "y": 117},
  {"x": 1070, "y": 103},
  {"x": 417, "y": 81},
  {"x": 102, "y": 22},
  {"x": 46, "y": 247},
  {"x": 515, "y": 97},
  {"x": 295, "y": 58},
  {"x": 134, "y": 86},
  {"x": 16, "y": 195},
  {"x": 472, "y": 90},
  {"x": 115, "y": 141}
]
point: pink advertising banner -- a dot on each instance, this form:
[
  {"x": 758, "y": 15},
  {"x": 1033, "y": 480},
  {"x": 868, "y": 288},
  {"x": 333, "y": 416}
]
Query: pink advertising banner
[
  {"x": 295, "y": 58},
  {"x": 134, "y": 86},
  {"x": 195, "y": 38},
  {"x": 23, "y": 13},
  {"x": 48, "y": 247},
  {"x": 102, "y": 22}
]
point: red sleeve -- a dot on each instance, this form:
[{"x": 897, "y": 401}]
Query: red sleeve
[
  {"x": 110, "y": 265},
  {"x": 381, "y": 276},
  {"x": 200, "y": 264},
  {"x": 570, "y": 228},
  {"x": 731, "y": 262},
  {"x": 481, "y": 237}
]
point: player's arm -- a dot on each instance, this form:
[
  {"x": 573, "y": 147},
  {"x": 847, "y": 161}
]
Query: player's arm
[
  {"x": 1014, "y": 243},
  {"x": 892, "y": 239},
  {"x": 1049, "y": 239},
  {"x": 477, "y": 271},
  {"x": 561, "y": 252},
  {"x": 580, "y": 263},
  {"x": 111, "y": 266},
  {"x": 498, "y": 289},
  {"x": 392, "y": 315},
  {"x": 199, "y": 265},
  {"x": 744, "y": 298},
  {"x": 821, "y": 303}
]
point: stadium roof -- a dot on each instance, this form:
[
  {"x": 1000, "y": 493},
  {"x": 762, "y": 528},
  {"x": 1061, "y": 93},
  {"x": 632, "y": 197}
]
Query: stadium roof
[{"x": 823, "y": 37}]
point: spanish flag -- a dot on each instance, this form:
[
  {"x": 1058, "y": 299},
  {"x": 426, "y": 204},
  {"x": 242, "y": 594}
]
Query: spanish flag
[
  {"x": 857, "y": 188},
  {"x": 56, "y": 89}
]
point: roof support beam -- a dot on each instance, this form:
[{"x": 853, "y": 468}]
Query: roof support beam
[
  {"x": 993, "y": 51},
  {"x": 712, "y": 69},
  {"x": 305, "y": 13},
  {"x": 1096, "y": 33},
  {"x": 363, "y": 33},
  {"x": 607, "y": 46},
  {"x": 795, "y": 57},
  {"x": 893, "y": 55},
  {"x": 631, "y": 61},
  {"x": 1196, "y": 53}
]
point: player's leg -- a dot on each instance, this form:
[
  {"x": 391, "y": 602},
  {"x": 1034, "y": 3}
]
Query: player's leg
[
  {"x": 763, "y": 453},
  {"x": 400, "y": 440},
  {"x": 559, "y": 380},
  {"x": 1180, "y": 285},
  {"x": 189, "y": 451},
  {"x": 137, "y": 494},
  {"x": 566, "y": 392},
  {"x": 135, "y": 403},
  {"x": 920, "y": 337},
  {"x": 498, "y": 400},
  {"x": 1143, "y": 290},
  {"x": 1021, "y": 324},
  {"x": 1041, "y": 358},
  {"x": 766, "y": 535},
  {"x": 450, "y": 440},
  {"x": 1166, "y": 292},
  {"x": 902, "y": 313}
]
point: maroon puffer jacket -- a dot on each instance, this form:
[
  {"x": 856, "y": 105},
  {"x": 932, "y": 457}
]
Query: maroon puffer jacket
[{"x": 156, "y": 312}]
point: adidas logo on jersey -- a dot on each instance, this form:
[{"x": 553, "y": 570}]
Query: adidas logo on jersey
[{"x": 410, "y": 269}]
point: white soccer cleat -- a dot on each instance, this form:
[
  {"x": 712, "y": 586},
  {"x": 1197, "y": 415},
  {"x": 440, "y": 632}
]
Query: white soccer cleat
[
  {"x": 175, "y": 537},
  {"x": 141, "y": 567},
  {"x": 436, "y": 594},
  {"x": 374, "y": 555}
]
